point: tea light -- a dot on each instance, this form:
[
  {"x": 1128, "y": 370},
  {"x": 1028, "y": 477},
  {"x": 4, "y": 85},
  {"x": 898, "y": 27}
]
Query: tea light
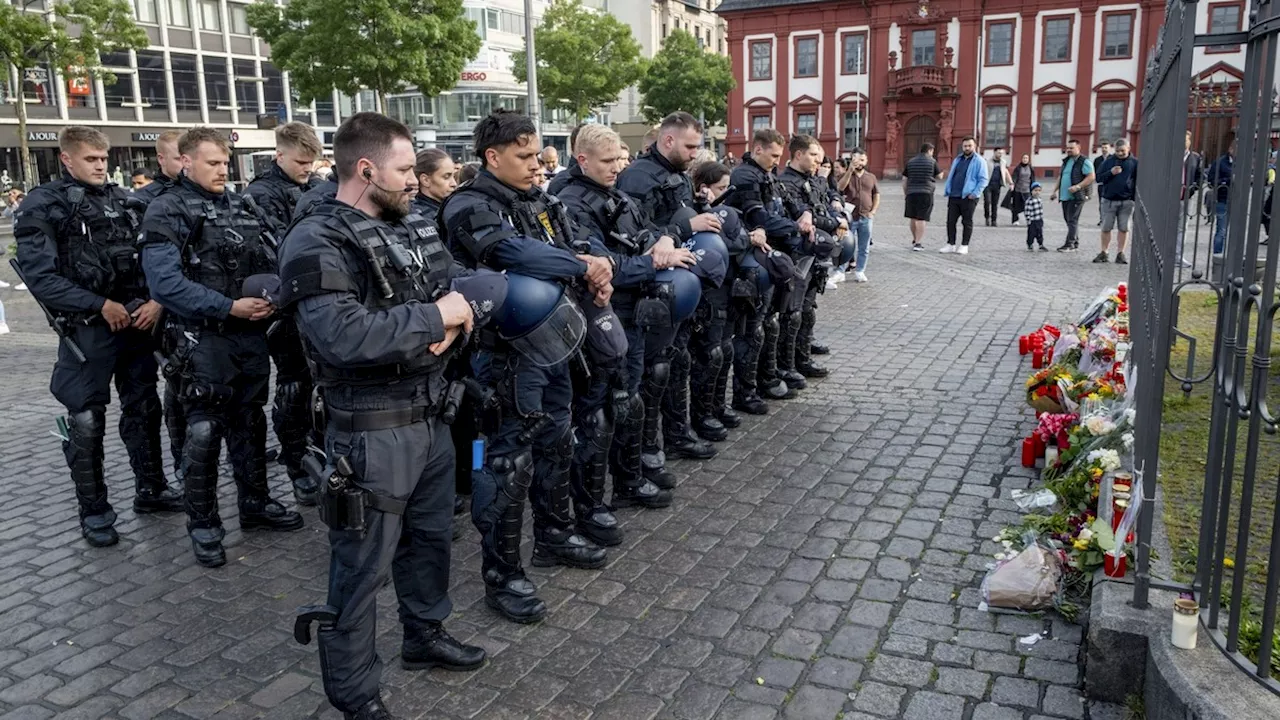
[{"x": 1185, "y": 619}]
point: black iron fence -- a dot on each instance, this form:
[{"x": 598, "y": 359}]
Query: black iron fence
[{"x": 1211, "y": 234}]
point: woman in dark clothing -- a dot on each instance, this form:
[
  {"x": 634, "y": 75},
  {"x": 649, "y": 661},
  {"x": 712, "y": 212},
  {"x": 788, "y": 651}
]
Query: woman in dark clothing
[
  {"x": 1023, "y": 176},
  {"x": 437, "y": 179}
]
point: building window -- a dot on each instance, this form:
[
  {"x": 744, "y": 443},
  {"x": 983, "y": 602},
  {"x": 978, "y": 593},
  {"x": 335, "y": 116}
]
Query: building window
[
  {"x": 1112, "y": 115},
  {"x": 1225, "y": 18},
  {"x": 995, "y": 126},
  {"x": 854, "y": 47},
  {"x": 852, "y": 130},
  {"x": 761, "y": 60},
  {"x": 1000, "y": 43},
  {"x": 146, "y": 10},
  {"x": 1053, "y": 124},
  {"x": 246, "y": 86},
  {"x": 807, "y": 57},
  {"x": 120, "y": 92},
  {"x": 759, "y": 122},
  {"x": 217, "y": 86},
  {"x": 924, "y": 47},
  {"x": 1117, "y": 35},
  {"x": 210, "y": 16},
  {"x": 325, "y": 113},
  {"x": 1057, "y": 40},
  {"x": 178, "y": 15},
  {"x": 273, "y": 87},
  {"x": 186, "y": 91},
  {"x": 151, "y": 79},
  {"x": 239, "y": 19},
  {"x": 807, "y": 124},
  {"x": 38, "y": 85}
]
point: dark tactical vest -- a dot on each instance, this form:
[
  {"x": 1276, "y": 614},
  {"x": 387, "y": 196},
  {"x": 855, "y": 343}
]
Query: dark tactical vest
[
  {"x": 810, "y": 189},
  {"x": 615, "y": 212},
  {"x": 534, "y": 214},
  {"x": 99, "y": 251},
  {"x": 228, "y": 246},
  {"x": 402, "y": 263}
]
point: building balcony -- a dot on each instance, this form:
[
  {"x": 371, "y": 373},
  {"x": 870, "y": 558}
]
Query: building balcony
[{"x": 922, "y": 80}]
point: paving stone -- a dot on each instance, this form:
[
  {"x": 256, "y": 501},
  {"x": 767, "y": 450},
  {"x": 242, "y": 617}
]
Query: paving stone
[
  {"x": 780, "y": 672},
  {"x": 812, "y": 701},
  {"x": 853, "y": 642},
  {"x": 901, "y": 671},
  {"x": 996, "y": 663},
  {"x": 879, "y": 699},
  {"x": 956, "y": 681},
  {"x": 991, "y": 711},
  {"x": 934, "y": 706},
  {"x": 906, "y": 645},
  {"x": 739, "y": 710},
  {"x": 1064, "y": 701},
  {"x": 1054, "y": 672},
  {"x": 836, "y": 673},
  {"x": 1014, "y": 691}
]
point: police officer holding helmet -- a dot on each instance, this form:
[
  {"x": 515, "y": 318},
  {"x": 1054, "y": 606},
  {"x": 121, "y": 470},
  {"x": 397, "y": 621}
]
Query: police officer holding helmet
[
  {"x": 200, "y": 247},
  {"x": 501, "y": 220},
  {"x": 610, "y": 412},
  {"x": 274, "y": 195},
  {"x": 369, "y": 285},
  {"x": 76, "y": 248},
  {"x": 657, "y": 182}
]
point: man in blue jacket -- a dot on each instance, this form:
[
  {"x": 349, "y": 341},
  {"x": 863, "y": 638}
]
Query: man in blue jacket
[
  {"x": 965, "y": 183},
  {"x": 1220, "y": 174}
]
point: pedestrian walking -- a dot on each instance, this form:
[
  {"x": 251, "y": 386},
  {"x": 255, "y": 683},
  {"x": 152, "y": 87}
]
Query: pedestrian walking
[
  {"x": 1023, "y": 175},
  {"x": 998, "y": 180},
  {"x": 965, "y": 183},
  {"x": 1035, "y": 219},
  {"x": 919, "y": 183},
  {"x": 1072, "y": 191},
  {"x": 1118, "y": 178}
]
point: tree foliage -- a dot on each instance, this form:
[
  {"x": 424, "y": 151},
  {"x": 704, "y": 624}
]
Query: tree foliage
[
  {"x": 383, "y": 45},
  {"x": 682, "y": 76},
  {"x": 584, "y": 58},
  {"x": 28, "y": 41}
]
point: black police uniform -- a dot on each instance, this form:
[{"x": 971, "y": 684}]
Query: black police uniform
[
  {"x": 662, "y": 191},
  {"x": 760, "y": 201},
  {"x": 275, "y": 195},
  {"x": 530, "y": 449},
  {"x": 809, "y": 193},
  {"x": 360, "y": 290},
  {"x": 319, "y": 192},
  {"x": 174, "y": 421},
  {"x": 609, "y": 415},
  {"x": 198, "y": 248},
  {"x": 76, "y": 248},
  {"x": 711, "y": 341}
]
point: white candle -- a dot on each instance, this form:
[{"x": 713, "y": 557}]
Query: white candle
[{"x": 1186, "y": 615}]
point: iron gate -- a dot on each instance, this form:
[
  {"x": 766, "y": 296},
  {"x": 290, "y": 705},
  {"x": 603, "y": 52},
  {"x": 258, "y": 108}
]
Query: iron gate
[{"x": 1243, "y": 275}]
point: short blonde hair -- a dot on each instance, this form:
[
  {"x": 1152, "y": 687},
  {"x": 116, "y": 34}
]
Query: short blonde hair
[
  {"x": 168, "y": 137},
  {"x": 73, "y": 137},
  {"x": 592, "y": 138},
  {"x": 298, "y": 136}
]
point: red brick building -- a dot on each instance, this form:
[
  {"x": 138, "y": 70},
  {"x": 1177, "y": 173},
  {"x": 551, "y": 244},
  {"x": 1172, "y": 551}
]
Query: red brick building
[{"x": 889, "y": 75}]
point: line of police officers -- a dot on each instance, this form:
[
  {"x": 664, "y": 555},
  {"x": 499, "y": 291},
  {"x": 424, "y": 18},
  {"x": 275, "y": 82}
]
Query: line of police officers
[{"x": 539, "y": 343}]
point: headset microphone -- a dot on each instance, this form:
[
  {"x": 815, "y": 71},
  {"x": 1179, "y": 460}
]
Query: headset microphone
[{"x": 368, "y": 176}]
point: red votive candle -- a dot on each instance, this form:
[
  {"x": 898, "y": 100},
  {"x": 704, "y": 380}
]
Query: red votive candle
[{"x": 1028, "y": 452}]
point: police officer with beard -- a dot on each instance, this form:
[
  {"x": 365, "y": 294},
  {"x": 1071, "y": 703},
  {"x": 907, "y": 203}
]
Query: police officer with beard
[
  {"x": 274, "y": 194},
  {"x": 809, "y": 194},
  {"x": 200, "y": 245},
  {"x": 760, "y": 200},
  {"x": 501, "y": 220},
  {"x": 76, "y": 240},
  {"x": 380, "y": 324},
  {"x": 609, "y": 414},
  {"x": 656, "y": 181}
]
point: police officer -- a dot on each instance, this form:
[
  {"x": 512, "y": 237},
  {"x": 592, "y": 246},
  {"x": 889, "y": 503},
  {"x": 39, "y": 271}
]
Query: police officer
[
  {"x": 275, "y": 193},
  {"x": 760, "y": 200},
  {"x": 610, "y": 412},
  {"x": 200, "y": 244},
  {"x": 500, "y": 220},
  {"x": 657, "y": 182},
  {"x": 712, "y": 345},
  {"x": 170, "y": 164},
  {"x": 76, "y": 248},
  {"x": 380, "y": 323},
  {"x": 437, "y": 179},
  {"x": 809, "y": 194}
]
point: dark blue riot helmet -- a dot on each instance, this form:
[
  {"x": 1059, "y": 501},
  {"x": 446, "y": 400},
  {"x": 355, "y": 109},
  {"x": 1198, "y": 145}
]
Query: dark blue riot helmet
[
  {"x": 540, "y": 320},
  {"x": 712, "y": 254},
  {"x": 684, "y": 290},
  {"x": 682, "y": 217},
  {"x": 751, "y": 269}
]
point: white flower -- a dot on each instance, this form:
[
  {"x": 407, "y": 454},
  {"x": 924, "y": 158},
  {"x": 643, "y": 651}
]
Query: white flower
[
  {"x": 1085, "y": 534},
  {"x": 1108, "y": 460},
  {"x": 1128, "y": 440},
  {"x": 1098, "y": 425},
  {"x": 1130, "y": 414}
]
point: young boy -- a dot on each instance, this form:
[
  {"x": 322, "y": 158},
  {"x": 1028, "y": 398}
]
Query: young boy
[{"x": 1035, "y": 218}]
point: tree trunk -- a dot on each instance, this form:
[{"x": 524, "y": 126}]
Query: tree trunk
[{"x": 29, "y": 178}]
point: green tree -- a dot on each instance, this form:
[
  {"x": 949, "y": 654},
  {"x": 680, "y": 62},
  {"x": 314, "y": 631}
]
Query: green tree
[
  {"x": 682, "y": 76},
  {"x": 30, "y": 38},
  {"x": 382, "y": 45},
  {"x": 584, "y": 58}
]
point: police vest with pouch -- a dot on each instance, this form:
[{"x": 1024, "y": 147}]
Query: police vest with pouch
[
  {"x": 228, "y": 247},
  {"x": 100, "y": 252}
]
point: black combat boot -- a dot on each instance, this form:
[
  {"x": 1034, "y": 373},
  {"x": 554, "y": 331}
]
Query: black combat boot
[
  {"x": 631, "y": 486},
  {"x": 506, "y": 589},
  {"x": 653, "y": 460},
  {"x": 200, "y": 468},
  {"x": 587, "y": 478},
  {"x": 818, "y": 349},
  {"x": 206, "y": 543},
  {"x": 372, "y": 710},
  {"x": 719, "y": 406},
  {"x": 553, "y": 547},
  {"x": 770, "y": 385},
  {"x": 677, "y": 436},
  {"x": 140, "y": 428},
  {"x": 247, "y": 447},
  {"x": 804, "y": 342},
  {"x": 788, "y": 333},
  {"x": 702, "y": 392},
  {"x": 263, "y": 513},
  {"x": 83, "y": 450},
  {"x": 430, "y": 646}
]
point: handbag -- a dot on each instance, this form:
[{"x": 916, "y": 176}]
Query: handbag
[{"x": 1007, "y": 203}]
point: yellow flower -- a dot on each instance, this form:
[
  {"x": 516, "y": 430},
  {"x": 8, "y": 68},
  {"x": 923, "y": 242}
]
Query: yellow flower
[
  {"x": 1097, "y": 473},
  {"x": 1228, "y": 563},
  {"x": 1064, "y": 376},
  {"x": 1081, "y": 544}
]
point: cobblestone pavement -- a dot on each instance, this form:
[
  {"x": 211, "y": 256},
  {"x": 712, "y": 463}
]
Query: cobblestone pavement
[{"x": 826, "y": 564}]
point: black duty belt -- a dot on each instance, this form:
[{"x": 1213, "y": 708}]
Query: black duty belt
[{"x": 370, "y": 420}]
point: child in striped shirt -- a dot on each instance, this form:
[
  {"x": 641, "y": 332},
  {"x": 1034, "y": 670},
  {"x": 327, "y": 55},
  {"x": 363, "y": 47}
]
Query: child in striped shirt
[{"x": 1035, "y": 218}]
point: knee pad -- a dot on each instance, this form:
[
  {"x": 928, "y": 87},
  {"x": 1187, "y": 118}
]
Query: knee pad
[
  {"x": 660, "y": 373},
  {"x": 716, "y": 357},
  {"x": 90, "y": 423},
  {"x": 202, "y": 436},
  {"x": 771, "y": 324},
  {"x": 513, "y": 474}
]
